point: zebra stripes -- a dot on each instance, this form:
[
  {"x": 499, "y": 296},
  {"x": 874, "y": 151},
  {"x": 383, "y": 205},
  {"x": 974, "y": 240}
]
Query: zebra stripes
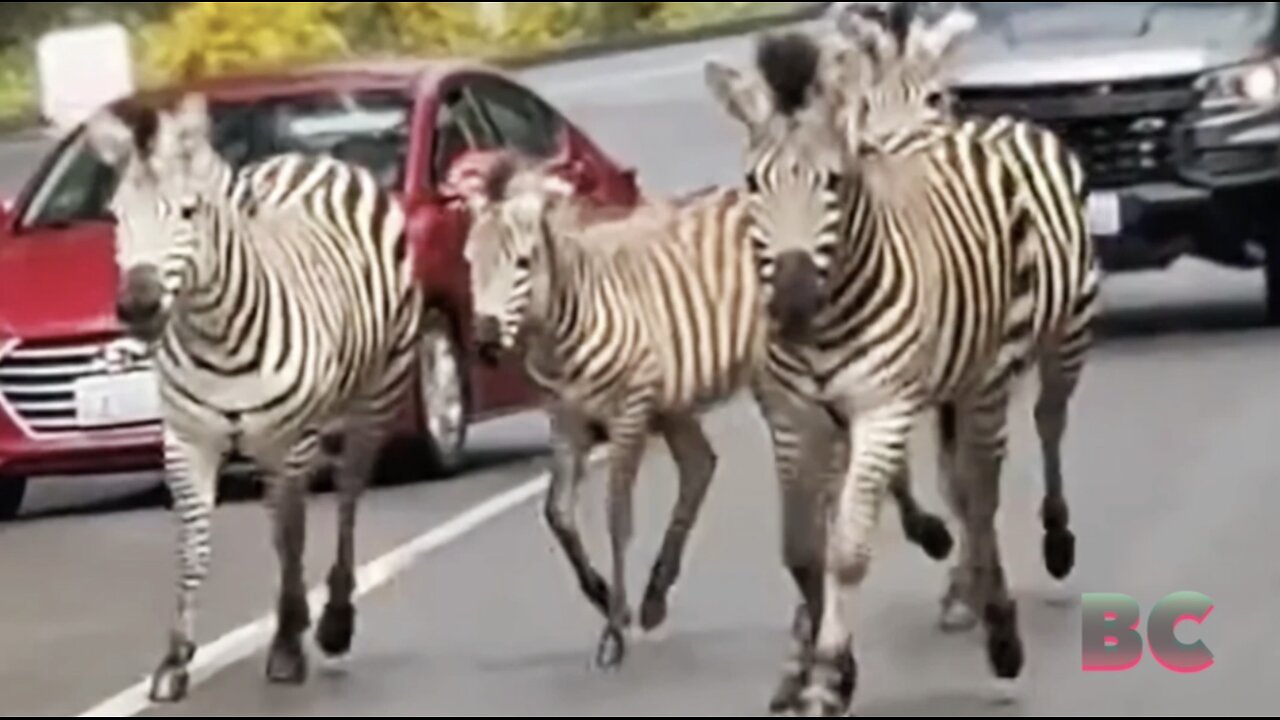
[
  {"x": 281, "y": 307},
  {"x": 904, "y": 280},
  {"x": 909, "y": 51},
  {"x": 633, "y": 325}
]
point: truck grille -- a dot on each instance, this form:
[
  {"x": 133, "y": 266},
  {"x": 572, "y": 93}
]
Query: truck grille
[
  {"x": 38, "y": 383},
  {"x": 1126, "y": 133}
]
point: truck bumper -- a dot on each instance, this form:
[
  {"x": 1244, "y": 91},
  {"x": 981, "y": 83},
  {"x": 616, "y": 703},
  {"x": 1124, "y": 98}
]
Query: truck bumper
[{"x": 1152, "y": 226}]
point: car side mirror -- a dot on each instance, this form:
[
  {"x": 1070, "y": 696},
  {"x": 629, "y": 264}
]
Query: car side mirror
[{"x": 6, "y": 213}]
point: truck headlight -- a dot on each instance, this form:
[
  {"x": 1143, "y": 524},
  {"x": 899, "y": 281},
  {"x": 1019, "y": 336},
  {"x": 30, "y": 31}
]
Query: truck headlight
[{"x": 1255, "y": 82}]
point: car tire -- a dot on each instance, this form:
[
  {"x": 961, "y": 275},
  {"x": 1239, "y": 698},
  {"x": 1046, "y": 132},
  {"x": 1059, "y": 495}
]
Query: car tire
[
  {"x": 443, "y": 396},
  {"x": 1272, "y": 270},
  {"x": 13, "y": 490}
]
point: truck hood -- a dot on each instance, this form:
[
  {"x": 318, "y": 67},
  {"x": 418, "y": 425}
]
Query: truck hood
[
  {"x": 58, "y": 283},
  {"x": 1033, "y": 43}
]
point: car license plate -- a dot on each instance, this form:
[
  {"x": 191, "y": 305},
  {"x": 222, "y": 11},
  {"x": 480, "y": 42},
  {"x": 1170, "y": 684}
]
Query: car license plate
[
  {"x": 1104, "y": 214},
  {"x": 112, "y": 400}
]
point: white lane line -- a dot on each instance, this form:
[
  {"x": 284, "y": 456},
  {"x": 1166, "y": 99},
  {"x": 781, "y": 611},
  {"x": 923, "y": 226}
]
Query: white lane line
[{"x": 243, "y": 642}]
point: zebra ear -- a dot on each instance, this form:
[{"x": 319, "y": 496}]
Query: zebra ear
[
  {"x": 743, "y": 99},
  {"x": 191, "y": 122},
  {"x": 934, "y": 46},
  {"x": 109, "y": 138},
  {"x": 558, "y": 188}
]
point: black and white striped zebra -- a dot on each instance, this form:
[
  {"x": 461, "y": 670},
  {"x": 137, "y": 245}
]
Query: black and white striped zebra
[
  {"x": 903, "y": 277},
  {"x": 913, "y": 50},
  {"x": 283, "y": 315},
  {"x": 635, "y": 324}
]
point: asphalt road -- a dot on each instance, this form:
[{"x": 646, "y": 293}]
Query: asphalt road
[{"x": 1169, "y": 472}]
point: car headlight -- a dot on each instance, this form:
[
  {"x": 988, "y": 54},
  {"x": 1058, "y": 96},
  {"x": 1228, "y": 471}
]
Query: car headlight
[{"x": 1256, "y": 82}]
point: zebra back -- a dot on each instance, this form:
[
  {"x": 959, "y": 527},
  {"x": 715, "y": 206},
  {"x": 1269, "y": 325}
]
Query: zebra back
[
  {"x": 910, "y": 91},
  {"x": 668, "y": 295}
]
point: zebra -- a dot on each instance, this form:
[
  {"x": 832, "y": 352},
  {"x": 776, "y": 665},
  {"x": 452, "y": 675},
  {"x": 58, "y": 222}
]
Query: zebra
[
  {"x": 913, "y": 50},
  {"x": 279, "y": 304},
  {"x": 903, "y": 276},
  {"x": 633, "y": 323}
]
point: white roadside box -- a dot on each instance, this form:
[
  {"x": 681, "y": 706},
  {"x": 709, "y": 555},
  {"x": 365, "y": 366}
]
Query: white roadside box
[{"x": 80, "y": 70}]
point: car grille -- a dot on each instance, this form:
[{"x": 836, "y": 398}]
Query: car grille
[
  {"x": 38, "y": 383},
  {"x": 1126, "y": 133}
]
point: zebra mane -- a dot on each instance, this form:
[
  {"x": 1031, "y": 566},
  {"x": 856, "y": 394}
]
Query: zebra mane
[
  {"x": 789, "y": 64},
  {"x": 500, "y": 175},
  {"x": 143, "y": 123}
]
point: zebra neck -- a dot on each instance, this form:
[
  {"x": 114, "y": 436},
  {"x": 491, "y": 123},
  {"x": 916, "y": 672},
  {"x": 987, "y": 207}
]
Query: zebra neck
[
  {"x": 219, "y": 313},
  {"x": 575, "y": 299}
]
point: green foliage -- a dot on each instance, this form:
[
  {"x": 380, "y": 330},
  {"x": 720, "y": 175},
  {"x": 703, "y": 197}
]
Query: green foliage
[{"x": 179, "y": 41}]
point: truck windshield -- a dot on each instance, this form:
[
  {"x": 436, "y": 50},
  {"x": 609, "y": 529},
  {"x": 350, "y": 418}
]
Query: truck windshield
[{"x": 370, "y": 128}]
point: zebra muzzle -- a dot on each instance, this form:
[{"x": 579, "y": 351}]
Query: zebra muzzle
[
  {"x": 488, "y": 339},
  {"x": 140, "y": 303},
  {"x": 797, "y": 294}
]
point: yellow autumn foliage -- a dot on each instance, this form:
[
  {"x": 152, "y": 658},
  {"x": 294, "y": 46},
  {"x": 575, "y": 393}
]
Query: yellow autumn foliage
[{"x": 202, "y": 39}]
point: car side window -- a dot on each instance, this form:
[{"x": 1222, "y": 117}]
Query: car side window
[
  {"x": 460, "y": 127},
  {"x": 525, "y": 123}
]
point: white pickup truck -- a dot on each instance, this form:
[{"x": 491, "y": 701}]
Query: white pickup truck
[{"x": 1174, "y": 107}]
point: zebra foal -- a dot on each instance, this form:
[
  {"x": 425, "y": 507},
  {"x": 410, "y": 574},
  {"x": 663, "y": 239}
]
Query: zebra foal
[
  {"x": 913, "y": 52},
  {"x": 634, "y": 325},
  {"x": 903, "y": 278},
  {"x": 281, "y": 309}
]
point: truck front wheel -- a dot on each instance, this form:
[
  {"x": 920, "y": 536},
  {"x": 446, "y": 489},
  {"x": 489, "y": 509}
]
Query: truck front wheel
[{"x": 1272, "y": 270}]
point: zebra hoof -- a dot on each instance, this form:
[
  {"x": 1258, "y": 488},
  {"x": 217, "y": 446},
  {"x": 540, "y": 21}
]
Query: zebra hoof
[
  {"x": 935, "y": 538},
  {"x": 1005, "y": 692},
  {"x": 171, "y": 684},
  {"x": 1004, "y": 645},
  {"x": 653, "y": 614},
  {"x": 337, "y": 629},
  {"x": 612, "y": 649},
  {"x": 287, "y": 663},
  {"x": 786, "y": 700},
  {"x": 1059, "y": 553},
  {"x": 957, "y": 618}
]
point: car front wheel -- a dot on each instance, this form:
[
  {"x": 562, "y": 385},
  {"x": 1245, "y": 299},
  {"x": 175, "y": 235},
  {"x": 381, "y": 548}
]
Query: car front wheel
[
  {"x": 13, "y": 490},
  {"x": 442, "y": 396}
]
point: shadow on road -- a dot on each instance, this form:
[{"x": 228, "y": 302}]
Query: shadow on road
[{"x": 1202, "y": 319}]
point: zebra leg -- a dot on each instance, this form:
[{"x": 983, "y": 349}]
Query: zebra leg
[
  {"x": 957, "y": 614},
  {"x": 191, "y": 474},
  {"x": 627, "y": 435},
  {"x": 793, "y": 421},
  {"x": 696, "y": 463},
  {"x": 336, "y": 629},
  {"x": 570, "y": 441},
  {"x": 287, "y": 661},
  {"x": 1057, "y": 386},
  {"x": 982, "y": 448},
  {"x": 920, "y": 527},
  {"x": 879, "y": 438},
  {"x": 804, "y": 507}
]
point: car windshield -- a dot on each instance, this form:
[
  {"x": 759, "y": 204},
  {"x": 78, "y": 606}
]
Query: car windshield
[{"x": 370, "y": 128}]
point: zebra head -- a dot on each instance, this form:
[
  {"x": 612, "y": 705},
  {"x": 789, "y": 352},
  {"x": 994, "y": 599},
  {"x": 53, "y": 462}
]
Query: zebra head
[
  {"x": 799, "y": 107},
  {"x": 906, "y": 48},
  {"x": 510, "y": 207},
  {"x": 164, "y": 161}
]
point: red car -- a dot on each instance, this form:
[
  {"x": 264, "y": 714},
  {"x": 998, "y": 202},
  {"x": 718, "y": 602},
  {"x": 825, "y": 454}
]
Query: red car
[{"x": 62, "y": 413}]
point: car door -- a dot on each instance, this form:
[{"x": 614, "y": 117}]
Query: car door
[
  {"x": 460, "y": 125},
  {"x": 527, "y": 124}
]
